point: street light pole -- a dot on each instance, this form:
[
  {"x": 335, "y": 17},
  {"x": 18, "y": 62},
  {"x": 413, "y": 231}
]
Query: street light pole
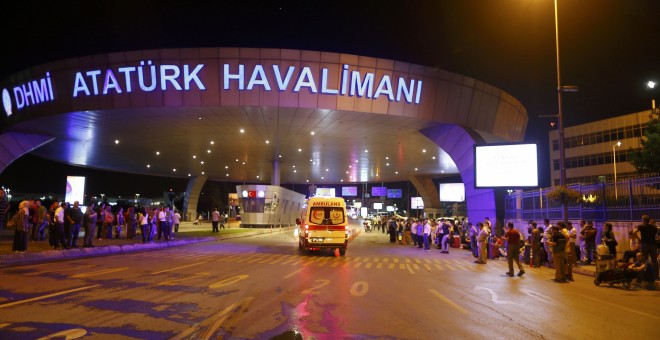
[
  {"x": 618, "y": 144},
  {"x": 560, "y": 119}
]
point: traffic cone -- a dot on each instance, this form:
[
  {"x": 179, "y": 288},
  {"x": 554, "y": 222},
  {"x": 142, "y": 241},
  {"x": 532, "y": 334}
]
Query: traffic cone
[{"x": 336, "y": 252}]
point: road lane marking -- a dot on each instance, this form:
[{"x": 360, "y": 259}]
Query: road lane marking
[
  {"x": 359, "y": 288},
  {"x": 379, "y": 266},
  {"x": 228, "y": 281},
  {"x": 6, "y": 305},
  {"x": 294, "y": 273},
  {"x": 391, "y": 266},
  {"x": 177, "y": 268},
  {"x": 357, "y": 265},
  {"x": 74, "y": 333},
  {"x": 428, "y": 267},
  {"x": 98, "y": 272},
  {"x": 449, "y": 267},
  {"x": 176, "y": 282},
  {"x": 312, "y": 291},
  {"x": 213, "y": 323},
  {"x": 368, "y": 265},
  {"x": 60, "y": 270},
  {"x": 439, "y": 267},
  {"x": 493, "y": 296},
  {"x": 447, "y": 301},
  {"x": 410, "y": 269},
  {"x": 537, "y": 295}
]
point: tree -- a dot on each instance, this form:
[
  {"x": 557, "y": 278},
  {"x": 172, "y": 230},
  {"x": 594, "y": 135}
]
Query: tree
[
  {"x": 564, "y": 195},
  {"x": 647, "y": 158}
]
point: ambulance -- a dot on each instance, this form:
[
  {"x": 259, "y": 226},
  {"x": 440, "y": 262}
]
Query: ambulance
[{"x": 324, "y": 225}]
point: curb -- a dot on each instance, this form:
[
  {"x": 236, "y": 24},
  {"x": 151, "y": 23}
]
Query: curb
[{"x": 50, "y": 255}]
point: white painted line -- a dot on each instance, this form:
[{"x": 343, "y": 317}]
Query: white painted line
[
  {"x": 447, "y": 301},
  {"x": 11, "y": 304},
  {"x": 177, "y": 268}
]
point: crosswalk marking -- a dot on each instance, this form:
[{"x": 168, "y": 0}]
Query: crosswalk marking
[{"x": 411, "y": 264}]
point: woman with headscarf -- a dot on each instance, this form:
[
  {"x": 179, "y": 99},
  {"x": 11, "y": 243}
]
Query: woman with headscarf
[{"x": 22, "y": 228}]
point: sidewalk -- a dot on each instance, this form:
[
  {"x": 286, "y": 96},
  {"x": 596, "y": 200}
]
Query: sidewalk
[{"x": 39, "y": 251}]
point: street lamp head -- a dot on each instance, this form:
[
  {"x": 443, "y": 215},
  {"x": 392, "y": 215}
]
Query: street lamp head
[
  {"x": 651, "y": 84},
  {"x": 618, "y": 143}
]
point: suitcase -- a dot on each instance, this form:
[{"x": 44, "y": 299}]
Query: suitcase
[
  {"x": 493, "y": 251},
  {"x": 456, "y": 242}
]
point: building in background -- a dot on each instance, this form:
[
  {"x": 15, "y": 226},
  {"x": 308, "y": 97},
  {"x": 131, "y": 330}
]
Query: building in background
[{"x": 591, "y": 149}]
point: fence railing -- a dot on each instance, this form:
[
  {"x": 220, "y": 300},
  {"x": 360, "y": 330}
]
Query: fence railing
[{"x": 621, "y": 201}]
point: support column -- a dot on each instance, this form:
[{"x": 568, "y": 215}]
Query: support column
[
  {"x": 459, "y": 142},
  {"x": 275, "y": 177},
  {"x": 191, "y": 197}
]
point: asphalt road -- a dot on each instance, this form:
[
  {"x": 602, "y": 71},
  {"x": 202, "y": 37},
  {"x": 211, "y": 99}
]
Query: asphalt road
[{"x": 262, "y": 287}]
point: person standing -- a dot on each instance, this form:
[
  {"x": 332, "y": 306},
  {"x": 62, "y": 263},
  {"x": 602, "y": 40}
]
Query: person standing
[
  {"x": 420, "y": 234},
  {"x": 143, "y": 220},
  {"x": 474, "y": 231},
  {"x": 536, "y": 245},
  {"x": 58, "y": 237},
  {"x": 609, "y": 239},
  {"x": 215, "y": 218},
  {"x": 646, "y": 233},
  {"x": 4, "y": 208},
  {"x": 558, "y": 241},
  {"x": 131, "y": 223},
  {"x": 42, "y": 221},
  {"x": 119, "y": 221},
  {"x": 109, "y": 222},
  {"x": 482, "y": 243},
  {"x": 413, "y": 231},
  {"x": 570, "y": 249},
  {"x": 89, "y": 224},
  {"x": 427, "y": 235},
  {"x": 100, "y": 220},
  {"x": 513, "y": 244},
  {"x": 177, "y": 220},
  {"x": 162, "y": 224},
  {"x": 76, "y": 219},
  {"x": 446, "y": 236},
  {"x": 589, "y": 234},
  {"x": 22, "y": 228}
]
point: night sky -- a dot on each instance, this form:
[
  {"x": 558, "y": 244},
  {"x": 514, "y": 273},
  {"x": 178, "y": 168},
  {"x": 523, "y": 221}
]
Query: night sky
[{"x": 609, "y": 48}]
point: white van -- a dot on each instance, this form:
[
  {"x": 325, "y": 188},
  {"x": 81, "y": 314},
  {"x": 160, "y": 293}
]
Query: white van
[{"x": 325, "y": 225}]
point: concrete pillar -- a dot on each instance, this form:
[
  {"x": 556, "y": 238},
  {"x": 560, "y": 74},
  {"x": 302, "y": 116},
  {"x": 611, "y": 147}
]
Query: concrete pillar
[
  {"x": 459, "y": 142},
  {"x": 275, "y": 177},
  {"x": 191, "y": 197}
]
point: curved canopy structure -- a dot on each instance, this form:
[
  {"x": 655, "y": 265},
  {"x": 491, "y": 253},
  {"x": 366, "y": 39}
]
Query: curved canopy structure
[{"x": 256, "y": 115}]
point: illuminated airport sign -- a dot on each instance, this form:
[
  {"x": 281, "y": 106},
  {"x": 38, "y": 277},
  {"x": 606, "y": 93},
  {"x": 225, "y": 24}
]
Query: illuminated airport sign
[{"x": 148, "y": 76}]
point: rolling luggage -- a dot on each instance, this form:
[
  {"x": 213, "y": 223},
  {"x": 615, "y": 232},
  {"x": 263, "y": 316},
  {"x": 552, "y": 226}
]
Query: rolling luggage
[{"x": 493, "y": 251}]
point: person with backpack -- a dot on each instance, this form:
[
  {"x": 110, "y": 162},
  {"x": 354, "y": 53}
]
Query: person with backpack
[{"x": 589, "y": 234}]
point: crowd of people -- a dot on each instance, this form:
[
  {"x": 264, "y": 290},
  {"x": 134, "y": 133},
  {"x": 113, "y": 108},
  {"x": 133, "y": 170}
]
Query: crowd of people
[
  {"x": 560, "y": 246},
  {"x": 61, "y": 223}
]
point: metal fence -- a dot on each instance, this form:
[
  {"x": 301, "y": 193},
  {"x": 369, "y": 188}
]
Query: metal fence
[{"x": 621, "y": 201}]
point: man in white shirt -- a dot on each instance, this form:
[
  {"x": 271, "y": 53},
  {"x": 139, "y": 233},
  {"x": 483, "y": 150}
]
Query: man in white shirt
[
  {"x": 162, "y": 224},
  {"x": 427, "y": 235},
  {"x": 59, "y": 228},
  {"x": 215, "y": 218}
]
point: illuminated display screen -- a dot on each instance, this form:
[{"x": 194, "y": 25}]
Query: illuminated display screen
[
  {"x": 349, "y": 191},
  {"x": 75, "y": 189},
  {"x": 452, "y": 192},
  {"x": 378, "y": 191},
  {"x": 416, "y": 203},
  {"x": 506, "y": 166},
  {"x": 325, "y": 192},
  {"x": 394, "y": 193}
]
